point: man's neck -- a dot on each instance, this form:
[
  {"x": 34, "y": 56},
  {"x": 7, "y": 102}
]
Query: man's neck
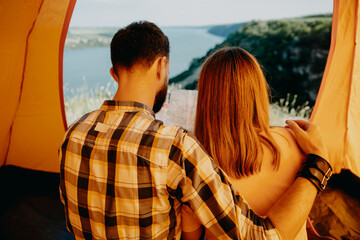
[
  {"x": 135, "y": 94},
  {"x": 137, "y": 86},
  {"x": 140, "y": 83}
]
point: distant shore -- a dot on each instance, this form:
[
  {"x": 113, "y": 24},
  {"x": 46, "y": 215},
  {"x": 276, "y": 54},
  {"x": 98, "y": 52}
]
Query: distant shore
[{"x": 91, "y": 37}]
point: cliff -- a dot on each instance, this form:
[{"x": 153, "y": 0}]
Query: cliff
[{"x": 293, "y": 54}]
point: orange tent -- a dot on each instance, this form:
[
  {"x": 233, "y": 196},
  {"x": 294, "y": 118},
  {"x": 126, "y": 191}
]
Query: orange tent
[
  {"x": 32, "y": 36},
  {"x": 337, "y": 109}
]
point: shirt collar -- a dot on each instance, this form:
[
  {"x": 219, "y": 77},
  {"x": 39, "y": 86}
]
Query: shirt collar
[{"x": 126, "y": 106}]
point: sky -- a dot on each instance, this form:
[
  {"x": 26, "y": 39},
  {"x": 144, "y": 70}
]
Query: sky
[{"x": 119, "y": 13}]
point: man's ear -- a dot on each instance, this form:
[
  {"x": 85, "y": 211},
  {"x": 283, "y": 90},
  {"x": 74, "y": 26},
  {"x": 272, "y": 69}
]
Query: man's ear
[
  {"x": 113, "y": 74},
  {"x": 161, "y": 68}
]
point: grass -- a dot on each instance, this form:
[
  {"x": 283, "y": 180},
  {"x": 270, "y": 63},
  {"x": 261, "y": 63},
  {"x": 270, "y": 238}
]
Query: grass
[
  {"x": 286, "y": 109},
  {"x": 81, "y": 101}
]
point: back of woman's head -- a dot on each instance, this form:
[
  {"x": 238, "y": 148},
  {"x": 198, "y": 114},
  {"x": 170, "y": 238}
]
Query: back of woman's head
[{"x": 232, "y": 117}]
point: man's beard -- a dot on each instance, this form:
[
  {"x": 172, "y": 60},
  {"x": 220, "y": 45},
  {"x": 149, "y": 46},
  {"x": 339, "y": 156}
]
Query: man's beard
[{"x": 160, "y": 98}]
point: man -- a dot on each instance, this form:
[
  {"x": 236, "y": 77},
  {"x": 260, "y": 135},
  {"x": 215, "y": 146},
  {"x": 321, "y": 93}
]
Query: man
[{"x": 124, "y": 175}]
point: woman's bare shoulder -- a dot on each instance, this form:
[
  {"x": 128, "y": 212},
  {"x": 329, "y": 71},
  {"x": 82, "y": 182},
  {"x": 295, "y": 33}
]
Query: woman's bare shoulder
[
  {"x": 286, "y": 141},
  {"x": 281, "y": 134}
]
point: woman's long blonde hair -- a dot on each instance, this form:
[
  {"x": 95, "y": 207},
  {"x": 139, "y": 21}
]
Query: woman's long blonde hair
[{"x": 232, "y": 117}]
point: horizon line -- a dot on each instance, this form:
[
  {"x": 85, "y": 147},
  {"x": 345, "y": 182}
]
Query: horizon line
[{"x": 210, "y": 25}]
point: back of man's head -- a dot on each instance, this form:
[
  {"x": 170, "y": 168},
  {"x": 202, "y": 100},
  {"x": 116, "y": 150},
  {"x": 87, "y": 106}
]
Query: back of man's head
[{"x": 138, "y": 43}]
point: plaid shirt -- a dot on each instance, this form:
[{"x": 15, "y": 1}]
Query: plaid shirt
[{"x": 124, "y": 175}]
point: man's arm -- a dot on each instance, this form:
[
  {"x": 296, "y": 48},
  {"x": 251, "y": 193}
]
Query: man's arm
[
  {"x": 290, "y": 212},
  {"x": 195, "y": 180},
  {"x": 208, "y": 192}
]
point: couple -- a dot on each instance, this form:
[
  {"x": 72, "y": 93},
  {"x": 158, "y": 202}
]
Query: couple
[{"x": 124, "y": 175}]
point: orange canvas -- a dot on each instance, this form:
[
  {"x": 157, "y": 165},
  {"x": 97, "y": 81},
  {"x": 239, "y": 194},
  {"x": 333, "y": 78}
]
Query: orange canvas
[
  {"x": 32, "y": 123},
  {"x": 337, "y": 109}
]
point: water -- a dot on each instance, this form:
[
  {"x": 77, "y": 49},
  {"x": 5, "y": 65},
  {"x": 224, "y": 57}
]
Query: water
[{"x": 89, "y": 68}]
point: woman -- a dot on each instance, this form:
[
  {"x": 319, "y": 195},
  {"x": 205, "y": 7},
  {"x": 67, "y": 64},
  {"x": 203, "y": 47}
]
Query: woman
[{"x": 232, "y": 123}]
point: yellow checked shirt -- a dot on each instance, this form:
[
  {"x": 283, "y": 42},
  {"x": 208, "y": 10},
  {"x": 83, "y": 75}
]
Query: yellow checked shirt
[{"x": 124, "y": 175}]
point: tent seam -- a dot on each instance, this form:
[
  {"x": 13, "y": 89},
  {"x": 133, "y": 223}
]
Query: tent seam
[
  {"x": 22, "y": 79},
  {"x": 70, "y": 9},
  {"x": 334, "y": 33},
  {"x": 345, "y": 153}
]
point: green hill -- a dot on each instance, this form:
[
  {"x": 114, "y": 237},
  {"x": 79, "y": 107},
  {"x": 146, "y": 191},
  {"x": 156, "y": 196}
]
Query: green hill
[
  {"x": 293, "y": 54},
  {"x": 225, "y": 30}
]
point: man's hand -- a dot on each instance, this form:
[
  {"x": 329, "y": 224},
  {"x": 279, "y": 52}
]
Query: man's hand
[{"x": 308, "y": 137}]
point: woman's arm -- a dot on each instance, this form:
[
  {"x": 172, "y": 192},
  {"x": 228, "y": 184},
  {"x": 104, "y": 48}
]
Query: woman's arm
[
  {"x": 190, "y": 225},
  {"x": 195, "y": 235}
]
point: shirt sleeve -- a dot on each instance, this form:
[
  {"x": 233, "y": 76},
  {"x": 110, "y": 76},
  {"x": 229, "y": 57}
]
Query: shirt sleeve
[{"x": 195, "y": 179}]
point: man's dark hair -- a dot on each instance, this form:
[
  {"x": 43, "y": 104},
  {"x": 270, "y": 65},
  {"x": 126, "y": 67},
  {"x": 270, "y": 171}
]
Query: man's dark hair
[{"x": 138, "y": 43}]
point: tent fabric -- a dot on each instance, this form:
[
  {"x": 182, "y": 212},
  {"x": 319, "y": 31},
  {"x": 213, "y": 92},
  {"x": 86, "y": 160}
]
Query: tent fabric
[
  {"x": 15, "y": 24},
  {"x": 33, "y": 120},
  {"x": 337, "y": 109}
]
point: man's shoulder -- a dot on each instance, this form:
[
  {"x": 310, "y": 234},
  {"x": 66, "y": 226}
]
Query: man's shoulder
[
  {"x": 83, "y": 124},
  {"x": 172, "y": 129},
  {"x": 86, "y": 117},
  {"x": 177, "y": 132},
  {"x": 182, "y": 139}
]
